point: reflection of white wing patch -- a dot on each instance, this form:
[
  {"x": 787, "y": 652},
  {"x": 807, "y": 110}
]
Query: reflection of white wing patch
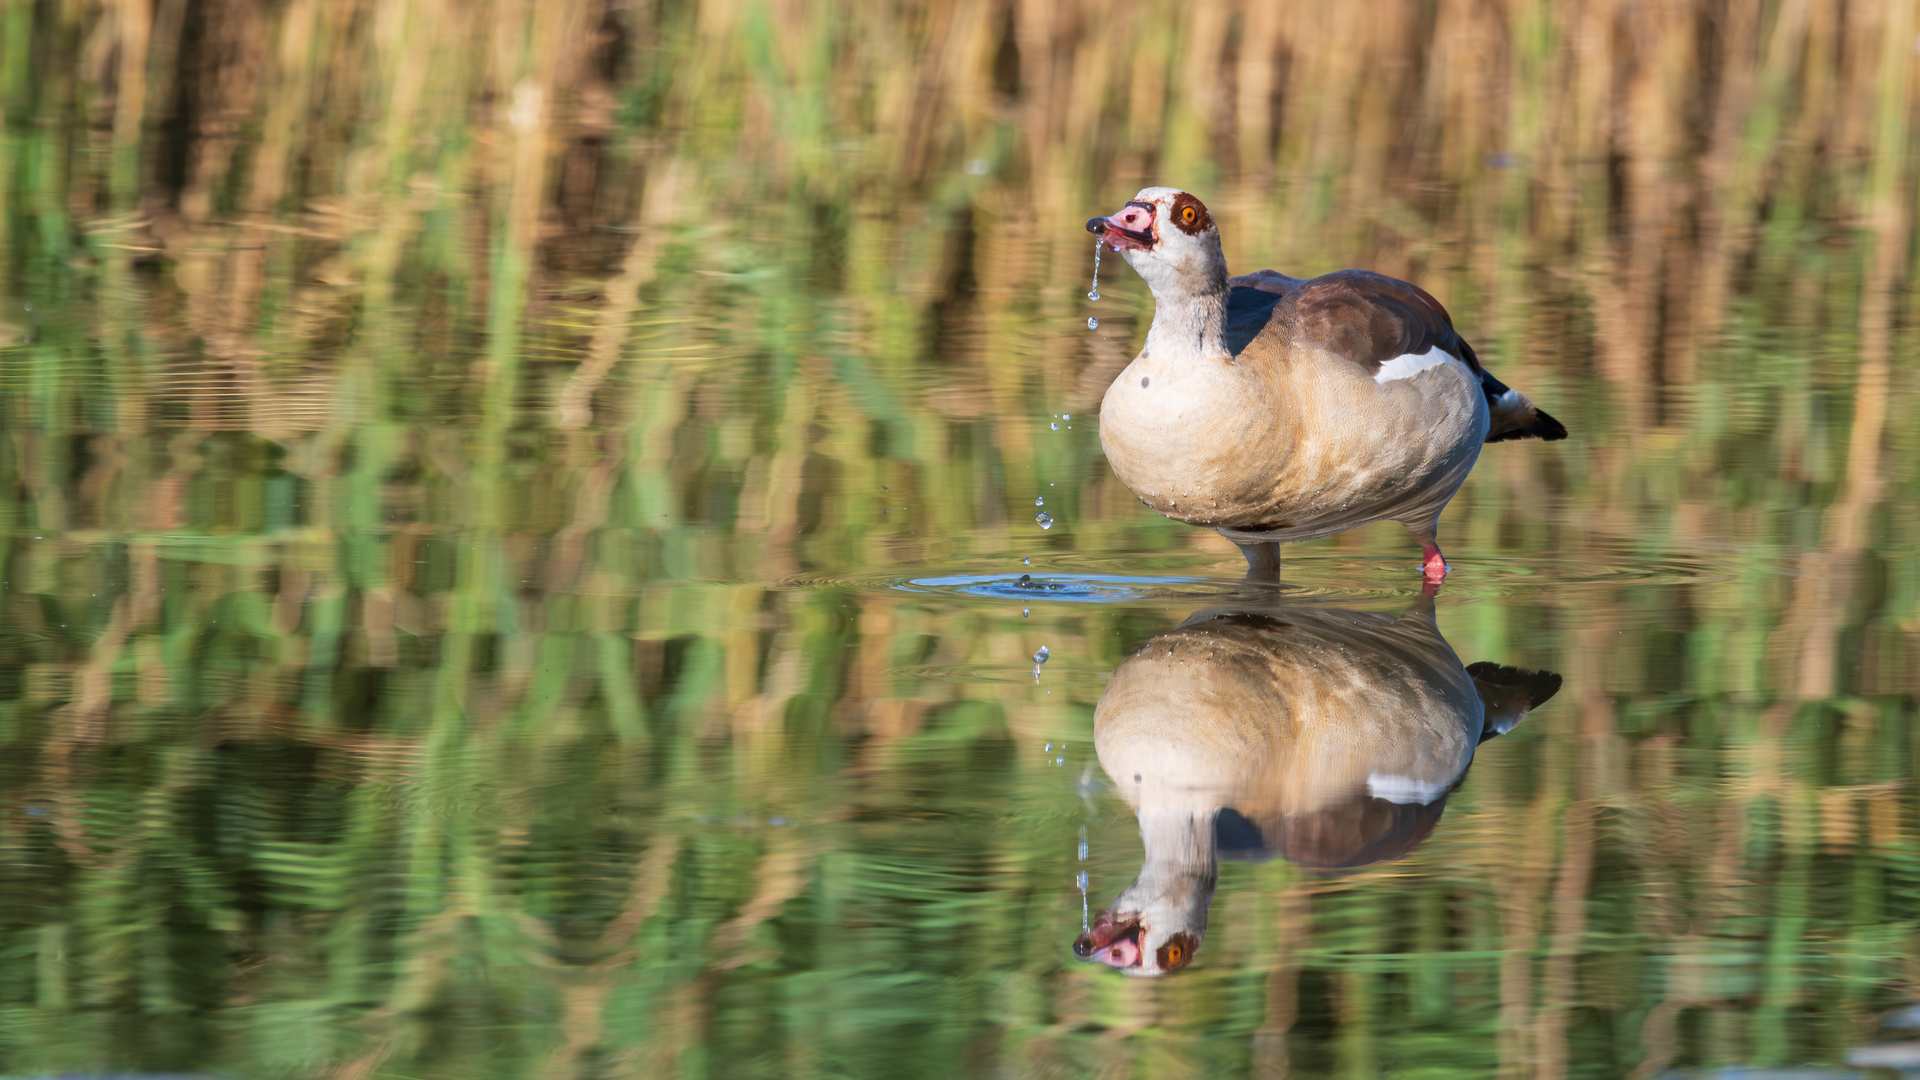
[
  {"x": 1408, "y": 365},
  {"x": 1403, "y": 789},
  {"x": 1506, "y": 720}
]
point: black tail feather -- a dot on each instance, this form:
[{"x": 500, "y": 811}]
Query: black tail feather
[
  {"x": 1514, "y": 415},
  {"x": 1509, "y": 694},
  {"x": 1538, "y": 685},
  {"x": 1544, "y": 427}
]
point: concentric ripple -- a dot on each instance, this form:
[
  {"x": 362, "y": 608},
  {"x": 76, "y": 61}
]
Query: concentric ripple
[{"x": 1068, "y": 588}]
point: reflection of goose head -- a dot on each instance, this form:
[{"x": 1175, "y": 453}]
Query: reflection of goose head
[
  {"x": 1329, "y": 737},
  {"x": 1156, "y": 924}
]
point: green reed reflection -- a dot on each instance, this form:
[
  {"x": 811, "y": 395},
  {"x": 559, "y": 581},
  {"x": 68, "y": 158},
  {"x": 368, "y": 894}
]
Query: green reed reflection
[{"x": 457, "y": 457}]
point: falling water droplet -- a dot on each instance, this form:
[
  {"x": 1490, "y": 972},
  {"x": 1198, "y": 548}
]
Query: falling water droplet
[
  {"x": 1093, "y": 323},
  {"x": 1043, "y": 520},
  {"x": 1040, "y": 500},
  {"x": 1066, "y": 416},
  {"x": 1082, "y": 879},
  {"x": 1058, "y": 763},
  {"x": 1023, "y": 562},
  {"x": 1055, "y": 425},
  {"x": 1049, "y": 748},
  {"x": 1023, "y": 613},
  {"x": 1083, "y": 847},
  {"x": 1041, "y": 656},
  {"x": 1094, "y": 292}
]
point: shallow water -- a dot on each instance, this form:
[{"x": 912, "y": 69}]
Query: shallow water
[{"x": 533, "y": 570}]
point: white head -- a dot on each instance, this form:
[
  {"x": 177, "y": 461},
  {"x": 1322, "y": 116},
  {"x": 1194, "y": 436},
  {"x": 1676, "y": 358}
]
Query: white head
[
  {"x": 1153, "y": 928},
  {"x": 1157, "y": 923},
  {"x": 1169, "y": 239}
]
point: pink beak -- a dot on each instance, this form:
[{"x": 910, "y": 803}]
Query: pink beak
[
  {"x": 1114, "y": 943},
  {"x": 1132, "y": 228}
]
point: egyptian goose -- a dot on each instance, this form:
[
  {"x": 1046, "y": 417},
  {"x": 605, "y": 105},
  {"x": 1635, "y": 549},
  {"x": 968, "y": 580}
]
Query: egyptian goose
[
  {"x": 1329, "y": 737},
  {"x": 1275, "y": 409}
]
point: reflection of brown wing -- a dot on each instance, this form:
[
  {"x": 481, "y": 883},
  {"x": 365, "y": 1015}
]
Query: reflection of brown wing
[{"x": 1357, "y": 832}]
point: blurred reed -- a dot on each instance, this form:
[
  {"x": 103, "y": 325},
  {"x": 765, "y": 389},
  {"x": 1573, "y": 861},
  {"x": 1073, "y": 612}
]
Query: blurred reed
[{"x": 414, "y": 409}]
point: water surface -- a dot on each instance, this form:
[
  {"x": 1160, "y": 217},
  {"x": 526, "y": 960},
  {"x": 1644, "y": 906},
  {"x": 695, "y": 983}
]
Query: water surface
[{"x": 512, "y": 528}]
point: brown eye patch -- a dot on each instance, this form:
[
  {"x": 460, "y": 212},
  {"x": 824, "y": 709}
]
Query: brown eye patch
[
  {"x": 1191, "y": 214},
  {"x": 1178, "y": 951}
]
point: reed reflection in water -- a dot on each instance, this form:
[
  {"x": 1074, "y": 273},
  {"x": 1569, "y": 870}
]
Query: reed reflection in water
[{"x": 464, "y": 465}]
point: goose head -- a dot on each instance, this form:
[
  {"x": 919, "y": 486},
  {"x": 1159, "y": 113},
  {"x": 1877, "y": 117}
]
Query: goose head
[
  {"x": 1156, "y": 924},
  {"x": 1170, "y": 240}
]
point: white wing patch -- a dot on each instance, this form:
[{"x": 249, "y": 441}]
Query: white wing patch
[
  {"x": 1408, "y": 365},
  {"x": 1404, "y": 790}
]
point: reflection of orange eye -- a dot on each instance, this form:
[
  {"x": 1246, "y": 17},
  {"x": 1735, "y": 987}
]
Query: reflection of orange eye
[{"x": 1187, "y": 216}]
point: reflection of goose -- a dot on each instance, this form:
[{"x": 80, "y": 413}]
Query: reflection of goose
[{"x": 1329, "y": 737}]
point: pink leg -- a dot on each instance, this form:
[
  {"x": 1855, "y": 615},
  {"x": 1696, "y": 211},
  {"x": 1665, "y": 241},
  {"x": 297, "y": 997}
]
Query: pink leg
[{"x": 1433, "y": 566}]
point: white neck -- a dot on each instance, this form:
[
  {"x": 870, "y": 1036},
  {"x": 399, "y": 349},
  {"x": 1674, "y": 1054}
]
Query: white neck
[
  {"x": 1192, "y": 326},
  {"x": 1180, "y": 861},
  {"x": 1189, "y": 303}
]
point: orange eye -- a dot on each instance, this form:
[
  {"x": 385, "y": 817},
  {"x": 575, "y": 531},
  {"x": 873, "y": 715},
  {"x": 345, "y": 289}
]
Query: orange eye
[
  {"x": 1187, "y": 215},
  {"x": 1173, "y": 951}
]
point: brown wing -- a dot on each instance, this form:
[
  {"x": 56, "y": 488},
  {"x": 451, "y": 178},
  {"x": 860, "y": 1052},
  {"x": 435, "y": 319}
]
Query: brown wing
[
  {"x": 1272, "y": 281},
  {"x": 1368, "y": 319}
]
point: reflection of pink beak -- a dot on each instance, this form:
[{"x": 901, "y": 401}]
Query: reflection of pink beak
[
  {"x": 1114, "y": 943},
  {"x": 1130, "y": 228}
]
